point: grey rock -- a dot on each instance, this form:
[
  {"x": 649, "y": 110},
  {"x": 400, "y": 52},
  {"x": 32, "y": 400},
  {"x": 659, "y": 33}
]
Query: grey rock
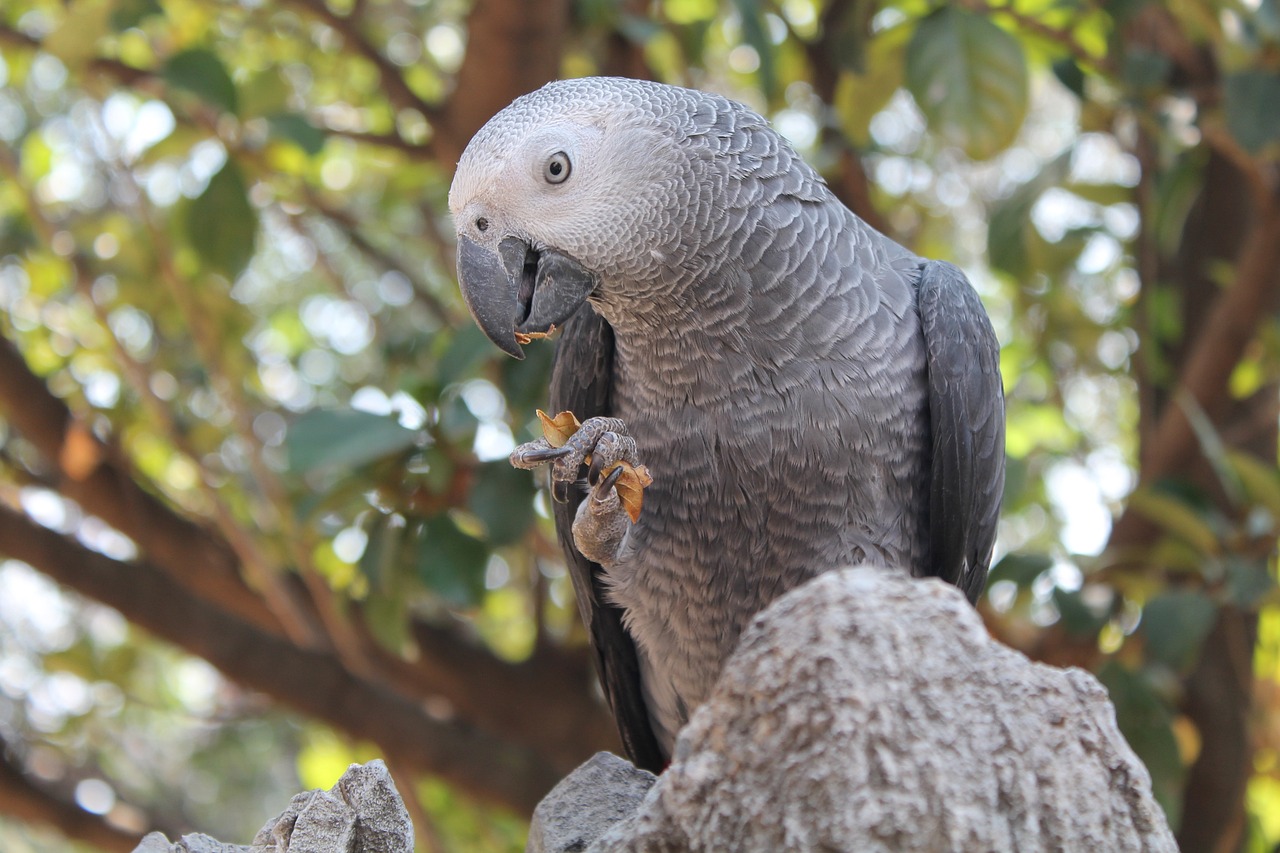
[
  {"x": 325, "y": 823},
  {"x": 361, "y": 813},
  {"x": 867, "y": 711},
  {"x": 384, "y": 825},
  {"x": 601, "y": 792},
  {"x": 155, "y": 842}
]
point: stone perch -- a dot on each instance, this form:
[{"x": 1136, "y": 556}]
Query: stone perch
[
  {"x": 361, "y": 813},
  {"x": 867, "y": 711}
]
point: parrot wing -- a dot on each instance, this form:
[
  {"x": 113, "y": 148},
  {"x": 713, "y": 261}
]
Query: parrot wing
[
  {"x": 581, "y": 382},
  {"x": 966, "y": 413}
]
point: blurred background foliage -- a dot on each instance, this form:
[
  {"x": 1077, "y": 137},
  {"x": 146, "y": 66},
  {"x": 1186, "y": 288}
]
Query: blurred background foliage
[{"x": 255, "y": 516}]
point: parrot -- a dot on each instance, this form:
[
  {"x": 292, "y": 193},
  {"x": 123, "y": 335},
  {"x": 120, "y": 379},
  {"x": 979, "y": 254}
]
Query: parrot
[{"x": 805, "y": 393}]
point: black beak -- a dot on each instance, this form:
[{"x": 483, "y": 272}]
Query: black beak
[{"x": 519, "y": 289}]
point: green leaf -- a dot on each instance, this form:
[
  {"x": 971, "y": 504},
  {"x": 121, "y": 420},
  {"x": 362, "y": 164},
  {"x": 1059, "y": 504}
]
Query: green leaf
[
  {"x": 202, "y": 73},
  {"x": 1012, "y": 238},
  {"x": 75, "y": 40},
  {"x": 466, "y": 349},
  {"x": 1251, "y": 103},
  {"x": 969, "y": 78},
  {"x": 457, "y": 423},
  {"x": 1077, "y": 618},
  {"x": 221, "y": 224},
  {"x": 264, "y": 94},
  {"x": 296, "y": 128},
  {"x": 1177, "y": 189},
  {"x": 387, "y": 618},
  {"x": 1179, "y": 518},
  {"x": 1175, "y": 624},
  {"x": 1145, "y": 69},
  {"x": 756, "y": 34},
  {"x": 130, "y": 13},
  {"x": 524, "y": 382},
  {"x": 383, "y": 552},
  {"x": 451, "y": 563},
  {"x": 1261, "y": 480},
  {"x": 859, "y": 96},
  {"x": 638, "y": 29},
  {"x": 325, "y": 439},
  {"x": 847, "y": 33},
  {"x": 502, "y": 498},
  {"x": 386, "y": 607},
  {"x": 1022, "y": 569},
  {"x": 1070, "y": 75}
]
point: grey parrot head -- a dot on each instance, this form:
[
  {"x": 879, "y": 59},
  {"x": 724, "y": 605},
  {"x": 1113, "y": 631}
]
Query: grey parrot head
[{"x": 572, "y": 191}]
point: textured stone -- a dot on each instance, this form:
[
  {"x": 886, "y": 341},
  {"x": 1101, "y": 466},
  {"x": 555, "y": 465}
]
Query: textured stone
[
  {"x": 604, "y": 790},
  {"x": 867, "y": 711},
  {"x": 361, "y": 813}
]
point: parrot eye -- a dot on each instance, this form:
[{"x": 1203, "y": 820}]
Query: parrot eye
[
  {"x": 557, "y": 168},
  {"x": 482, "y": 224}
]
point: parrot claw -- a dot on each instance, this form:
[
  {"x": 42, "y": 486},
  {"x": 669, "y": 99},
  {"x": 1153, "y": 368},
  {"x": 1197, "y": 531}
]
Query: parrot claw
[
  {"x": 607, "y": 484},
  {"x": 547, "y": 454},
  {"x": 599, "y": 445},
  {"x": 534, "y": 453}
]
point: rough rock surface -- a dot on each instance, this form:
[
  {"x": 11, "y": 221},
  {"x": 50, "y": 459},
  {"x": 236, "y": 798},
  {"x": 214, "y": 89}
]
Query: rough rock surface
[
  {"x": 361, "y": 813},
  {"x": 868, "y": 711},
  {"x": 575, "y": 813}
]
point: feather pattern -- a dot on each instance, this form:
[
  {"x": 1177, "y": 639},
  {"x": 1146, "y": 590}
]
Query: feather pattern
[{"x": 806, "y": 393}]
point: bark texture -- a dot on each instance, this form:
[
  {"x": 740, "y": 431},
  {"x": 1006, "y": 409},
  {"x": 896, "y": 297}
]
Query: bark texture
[{"x": 869, "y": 711}]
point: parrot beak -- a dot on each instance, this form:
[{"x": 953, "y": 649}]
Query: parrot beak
[{"x": 519, "y": 290}]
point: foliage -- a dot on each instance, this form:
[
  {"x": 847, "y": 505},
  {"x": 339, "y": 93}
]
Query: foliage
[{"x": 224, "y": 246}]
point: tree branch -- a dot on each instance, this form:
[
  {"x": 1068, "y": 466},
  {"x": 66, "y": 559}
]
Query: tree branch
[
  {"x": 1062, "y": 37},
  {"x": 201, "y": 561},
  {"x": 393, "y": 83},
  {"x": 544, "y": 700},
  {"x": 312, "y": 683},
  {"x": 1232, "y": 324},
  {"x": 513, "y": 47}
]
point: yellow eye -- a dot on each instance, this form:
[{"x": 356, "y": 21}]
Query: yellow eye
[{"x": 558, "y": 168}]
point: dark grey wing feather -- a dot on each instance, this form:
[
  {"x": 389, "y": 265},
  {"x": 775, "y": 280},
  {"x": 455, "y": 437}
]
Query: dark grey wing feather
[
  {"x": 966, "y": 414},
  {"x": 581, "y": 382}
]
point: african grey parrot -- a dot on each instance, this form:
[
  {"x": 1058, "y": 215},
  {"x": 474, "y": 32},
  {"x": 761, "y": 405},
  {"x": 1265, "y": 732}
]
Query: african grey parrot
[{"x": 806, "y": 393}]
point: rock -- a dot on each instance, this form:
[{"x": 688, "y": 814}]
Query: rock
[
  {"x": 601, "y": 792},
  {"x": 361, "y": 813},
  {"x": 869, "y": 711},
  {"x": 155, "y": 842}
]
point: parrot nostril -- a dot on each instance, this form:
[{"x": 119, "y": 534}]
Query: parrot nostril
[{"x": 482, "y": 224}]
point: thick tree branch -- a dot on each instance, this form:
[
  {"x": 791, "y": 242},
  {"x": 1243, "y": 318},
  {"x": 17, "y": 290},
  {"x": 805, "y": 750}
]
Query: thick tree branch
[
  {"x": 544, "y": 700},
  {"x": 201, "y": 561},
  {"x": 311, "y": 683},
  {"x": 1232, "y": 324},
  {"x": 513, "y": 47}
]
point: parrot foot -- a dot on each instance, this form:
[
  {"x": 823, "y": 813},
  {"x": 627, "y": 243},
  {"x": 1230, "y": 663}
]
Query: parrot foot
[
  {"x": 599, "y": 443},
  {"x": 601, "y": 523}
]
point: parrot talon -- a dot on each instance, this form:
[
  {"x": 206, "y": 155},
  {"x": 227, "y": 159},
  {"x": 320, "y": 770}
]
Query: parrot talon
[
  {"x": 560, "y": 491},
  {"x": 609, "y": 453},
  {"x": 545, "y": 455},
  {"x": 604, "y": 486}
]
